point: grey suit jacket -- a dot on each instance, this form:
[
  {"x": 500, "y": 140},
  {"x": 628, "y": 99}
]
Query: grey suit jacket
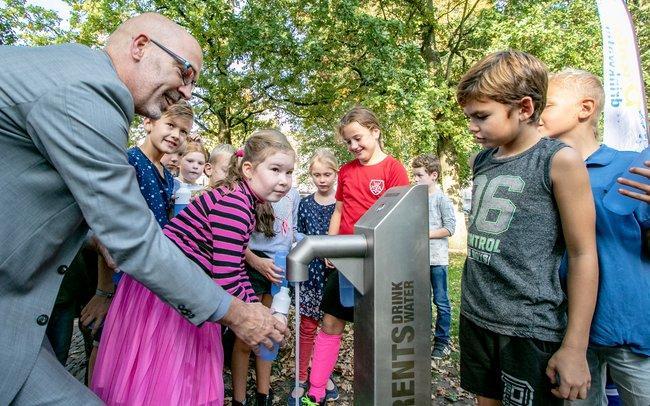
[{"x": 64, "y": 121}]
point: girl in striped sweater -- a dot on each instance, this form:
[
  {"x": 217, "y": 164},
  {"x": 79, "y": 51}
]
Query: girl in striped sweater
[
  {"x": 163, "y": 359},
  {"x": 215, "y": 228}
]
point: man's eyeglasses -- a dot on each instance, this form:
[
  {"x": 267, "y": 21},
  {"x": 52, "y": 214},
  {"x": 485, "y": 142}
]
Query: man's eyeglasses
[{"x": 188, "y": 73}]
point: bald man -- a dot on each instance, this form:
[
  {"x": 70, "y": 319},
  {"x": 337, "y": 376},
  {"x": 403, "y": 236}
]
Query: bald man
[{"x": 65, "y": 113}]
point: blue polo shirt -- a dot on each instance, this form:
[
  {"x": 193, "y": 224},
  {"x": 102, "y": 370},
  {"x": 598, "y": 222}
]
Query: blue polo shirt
[{"x": 622, "y": 316}]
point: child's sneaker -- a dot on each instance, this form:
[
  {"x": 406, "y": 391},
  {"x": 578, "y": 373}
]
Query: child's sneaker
[
  {"x": 291, "y": 400},
  {"x": 307, "y": 400},
  {"x": 440, "y": 351},
  {"x": 332, "y": 394}
]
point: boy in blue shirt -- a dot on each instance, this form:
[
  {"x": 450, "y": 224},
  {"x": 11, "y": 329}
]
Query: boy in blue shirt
[
  {"x": 620, "y": 331},
  {"x": 442, "y": 224}
]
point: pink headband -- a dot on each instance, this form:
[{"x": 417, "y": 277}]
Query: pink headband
[{"x": 239, "y": 153}]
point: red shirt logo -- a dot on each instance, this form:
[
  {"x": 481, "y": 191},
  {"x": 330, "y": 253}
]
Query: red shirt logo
[{"x": 376, "y": 186}]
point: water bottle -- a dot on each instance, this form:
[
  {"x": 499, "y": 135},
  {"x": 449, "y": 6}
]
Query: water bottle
[
  {"x": 183, "y": 195},
  {"x": 618, "y": 203},
  {"x": 346, "y": 291},
  {"x": 280, "y": 260},
  {"x": 279, "y": 309}
]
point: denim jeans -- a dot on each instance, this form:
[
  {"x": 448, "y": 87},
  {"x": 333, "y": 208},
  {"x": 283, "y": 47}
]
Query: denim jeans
[
  {"x": 441, "y": 301},
  {"x": 629, "y": 371}
]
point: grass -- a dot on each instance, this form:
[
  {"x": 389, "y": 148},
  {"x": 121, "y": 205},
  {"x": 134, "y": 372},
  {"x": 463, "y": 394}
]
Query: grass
[{"x": 456, "y": 262}]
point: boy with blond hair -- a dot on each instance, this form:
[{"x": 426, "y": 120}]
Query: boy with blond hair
[
  {"x": 442, "y": 224},
  {"x": 620, "y": 331},
  {"x": 531, "y": 202}
]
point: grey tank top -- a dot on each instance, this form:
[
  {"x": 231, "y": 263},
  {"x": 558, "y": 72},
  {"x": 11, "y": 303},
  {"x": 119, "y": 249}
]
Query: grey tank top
[{"x": 511, "y": 283}]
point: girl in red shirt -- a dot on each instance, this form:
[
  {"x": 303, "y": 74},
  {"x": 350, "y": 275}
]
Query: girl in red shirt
[{"x": 360, "y": 183}]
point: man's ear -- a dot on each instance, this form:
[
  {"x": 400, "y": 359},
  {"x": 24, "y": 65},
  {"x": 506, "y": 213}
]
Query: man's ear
[
  {"x": 138, "y": 44},
  {"x": 526, "y": 108},
  {"x": 435, "y": 175}
]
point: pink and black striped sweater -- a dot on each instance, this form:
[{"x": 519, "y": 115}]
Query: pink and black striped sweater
[{"x": 213, "y": 231}]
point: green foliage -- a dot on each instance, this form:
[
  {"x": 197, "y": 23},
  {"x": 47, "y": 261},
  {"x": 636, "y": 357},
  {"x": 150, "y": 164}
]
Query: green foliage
[
  {"x": 303, "y": 63},
  {"x": 25, "y": 24}
]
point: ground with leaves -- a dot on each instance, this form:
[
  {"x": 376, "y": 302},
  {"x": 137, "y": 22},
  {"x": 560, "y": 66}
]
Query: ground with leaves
[{"x": 445, "y": 379}]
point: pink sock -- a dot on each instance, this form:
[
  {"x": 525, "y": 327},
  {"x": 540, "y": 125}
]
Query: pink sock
[
  {"x": 326, "y": 352},
  {"x": 308, "y": 327}
]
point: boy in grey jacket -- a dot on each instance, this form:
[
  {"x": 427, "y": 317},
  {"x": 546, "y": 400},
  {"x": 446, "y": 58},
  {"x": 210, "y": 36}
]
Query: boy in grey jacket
[{"x": 442, "y": 224}]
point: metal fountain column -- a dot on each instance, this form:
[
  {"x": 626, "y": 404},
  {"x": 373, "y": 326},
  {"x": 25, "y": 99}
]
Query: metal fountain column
[{"x": 387, "y": 261}]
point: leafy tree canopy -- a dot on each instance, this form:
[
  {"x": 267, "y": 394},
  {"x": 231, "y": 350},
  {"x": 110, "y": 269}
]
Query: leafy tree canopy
[{"x": 303, "y": 63}]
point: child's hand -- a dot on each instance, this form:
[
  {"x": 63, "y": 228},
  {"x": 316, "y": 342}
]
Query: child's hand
[
  {"x": 328, "y": 263},
  {"x": 574, "y": 377},
  {"x": 196, "y": 193},
  {"x": 97, "y": 245},
  {"x": 267, "y": 267},
  {"x": 94, "y": 312},
  {"x": 644, "y": 196}
]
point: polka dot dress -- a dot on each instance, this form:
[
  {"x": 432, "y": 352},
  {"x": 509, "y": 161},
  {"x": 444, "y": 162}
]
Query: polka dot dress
[
  {"x": 156, "y": 189},
  {"x": 313, "y": 219}
]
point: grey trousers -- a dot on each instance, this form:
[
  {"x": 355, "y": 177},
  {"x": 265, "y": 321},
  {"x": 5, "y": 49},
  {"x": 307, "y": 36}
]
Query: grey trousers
[
  {"x": 630, "y": 372},
  {"x": 50, "y": 384}
]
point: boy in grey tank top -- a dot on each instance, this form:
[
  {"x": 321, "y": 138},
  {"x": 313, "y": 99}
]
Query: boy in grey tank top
[{"x": 522, "y": 341}]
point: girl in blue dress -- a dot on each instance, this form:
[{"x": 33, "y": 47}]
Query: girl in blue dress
[{"x": 314, "y": 215}]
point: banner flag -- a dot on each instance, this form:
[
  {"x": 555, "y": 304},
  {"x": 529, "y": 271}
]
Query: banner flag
[{"x": 626, "y": 118}]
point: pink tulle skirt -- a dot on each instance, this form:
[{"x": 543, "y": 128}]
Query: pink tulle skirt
[{"x": 151, "y": 355}]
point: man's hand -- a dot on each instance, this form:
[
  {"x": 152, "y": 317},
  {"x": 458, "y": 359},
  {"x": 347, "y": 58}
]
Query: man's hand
[
  {"x": 267, "y": 267},
  {"x": 94, "y": 312},
  {"x": 644, "y": 188},
  {"x": 574, "y": 378},
  {"x": 254, "y": 324}
]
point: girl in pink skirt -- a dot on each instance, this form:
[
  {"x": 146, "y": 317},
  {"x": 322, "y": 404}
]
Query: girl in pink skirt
[{"x": 149, "y": 354}]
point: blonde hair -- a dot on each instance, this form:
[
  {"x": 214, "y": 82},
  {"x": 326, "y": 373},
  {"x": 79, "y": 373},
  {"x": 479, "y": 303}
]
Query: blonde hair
[
  {"x": 194, "y": 147},
  {"x": 429, "y": 162},
  {"x": 180, "y": 109},
  {"x": 326, "y": 157},
  {"x": 259, "y": 146},
  {"x": 583, "y": 84},
  {"x": 365, "y": 117},
  {"x": 221, "y": 149},
  {"x": 506, "y": 77}
]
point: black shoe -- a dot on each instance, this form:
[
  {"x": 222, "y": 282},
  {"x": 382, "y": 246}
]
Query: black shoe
[
  {"x": 263, "y": 399},
  {"x": 236, "y": 403}
]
